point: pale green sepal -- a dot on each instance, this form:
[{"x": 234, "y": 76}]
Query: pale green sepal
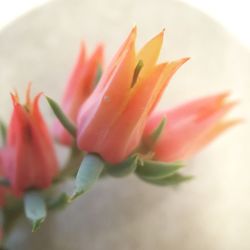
[
  {"x": 124, "y": 168},
  {"x": 158, "y": 130},
  {"x": 157, "y": 170},
  {"x": 35, "y": 208},
  {"x": 88, "y": 173},
  {"x": 172, "y": 180},
  {"x": 67, "y": 124}
]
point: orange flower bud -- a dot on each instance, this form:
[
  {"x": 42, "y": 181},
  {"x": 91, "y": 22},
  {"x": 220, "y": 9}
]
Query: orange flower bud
[{"x": 112, "y": 119}]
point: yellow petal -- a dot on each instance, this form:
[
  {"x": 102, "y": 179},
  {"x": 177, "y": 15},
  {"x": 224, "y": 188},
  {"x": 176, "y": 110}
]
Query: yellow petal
[
  {"x": 149, "y": 54},
  {"x": 169, "y": 71}
]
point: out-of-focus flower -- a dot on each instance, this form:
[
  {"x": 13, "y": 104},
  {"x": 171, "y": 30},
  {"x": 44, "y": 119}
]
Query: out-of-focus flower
[
  {"x": 80, "y": 85},
  {"x": 29, "y": 158},
  {"x": 190, "y": 127},
  {"x": 112, "y": 120},
  {"x": 3, "y": 189}
]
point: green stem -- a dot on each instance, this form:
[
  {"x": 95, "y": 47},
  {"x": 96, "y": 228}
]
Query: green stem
[
  {"x": 11, "y": 214},
  {"x": 72, "y": 165}
]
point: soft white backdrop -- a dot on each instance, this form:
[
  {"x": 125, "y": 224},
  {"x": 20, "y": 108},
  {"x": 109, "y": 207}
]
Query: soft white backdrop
[{"x": 233, "y": 15}]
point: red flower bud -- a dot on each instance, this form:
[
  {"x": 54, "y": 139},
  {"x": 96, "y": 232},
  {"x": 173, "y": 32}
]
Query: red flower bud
[{"x": 29, "y": 157}]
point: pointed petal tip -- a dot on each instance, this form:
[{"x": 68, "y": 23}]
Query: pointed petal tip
[
  {"x": 98, "y": 53},
  {"x": 38, "y": 96},
  {"x": 130, "y": 41},
  {"x": 222, "y": 100},
  {"x": 224, "y": 125},
  {"x": 133, "y": 33},
  {"x": 223, "y": 96},
  {"x": 82, "y": 45},
  {"x": 159, "y": 37},
  {"x": 185, "y": 59},
  {"x": 28, "y": 93},
  {"x": 134, "y": 29},
  {"x": 236, "y": 121},
  {"x": 14, "y": 97},
  {"x": 179, "y": 62},
  {"x": 227, "y": 106},
  {"x": 100, "y": 47},
  {"x": 161, "y": 34},
  {"x": 82, "y": 51}
]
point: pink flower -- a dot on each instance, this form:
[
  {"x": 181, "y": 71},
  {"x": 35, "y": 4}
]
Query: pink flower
[
  {"x": 112, "y": 119},
  {"x": 190, "y": 127},
  {"x": 80, "y": 85},
  {"x": 29, "y": 159}
]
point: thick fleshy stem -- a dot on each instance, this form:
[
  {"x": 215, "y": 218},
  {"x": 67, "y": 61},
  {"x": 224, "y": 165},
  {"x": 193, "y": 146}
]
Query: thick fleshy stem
[{"x": 71, "y": 166}]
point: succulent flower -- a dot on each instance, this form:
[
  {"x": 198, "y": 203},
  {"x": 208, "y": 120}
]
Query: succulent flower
[
  {"x": 29, "y": 158},
  {"x": 112, "y": 119}
]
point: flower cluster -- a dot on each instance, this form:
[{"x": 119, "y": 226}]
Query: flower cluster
[{"x": 111, "y": 126}]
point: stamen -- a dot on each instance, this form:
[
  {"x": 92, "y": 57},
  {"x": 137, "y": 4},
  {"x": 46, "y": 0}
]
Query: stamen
[{"x": 137, "y": 71}]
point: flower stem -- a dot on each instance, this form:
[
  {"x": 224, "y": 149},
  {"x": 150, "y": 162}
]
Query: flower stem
[{"x": 72, "y": 165}]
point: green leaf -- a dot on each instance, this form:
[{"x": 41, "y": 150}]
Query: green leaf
[
  {"x": 172, "y": 180},
  {"x": 58, "y": 202},
  {"x": 157, "y": 170},
  {"x": 125, "y": 168},
  {"x": 155, "y": 135},
  {"x": 137, "y": 71},
  {"x": 67, "y": 124},
  {"x": 34, "y": 208},
  {"x": 158, "y": 130},
  {"x": 3, "y": 131},
  {"x": 88, "y": 173}
]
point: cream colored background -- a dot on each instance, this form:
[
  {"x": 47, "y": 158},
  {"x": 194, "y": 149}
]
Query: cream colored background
[
  {"x": 211, "y": 212},
  {"x": 233, "y": 15}
]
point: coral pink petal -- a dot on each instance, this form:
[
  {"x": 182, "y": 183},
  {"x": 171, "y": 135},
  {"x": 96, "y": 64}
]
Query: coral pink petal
[{"x": 101, "y": 109}]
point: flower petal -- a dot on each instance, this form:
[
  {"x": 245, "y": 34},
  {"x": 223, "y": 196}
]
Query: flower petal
[{"x": 149, "y": 54}]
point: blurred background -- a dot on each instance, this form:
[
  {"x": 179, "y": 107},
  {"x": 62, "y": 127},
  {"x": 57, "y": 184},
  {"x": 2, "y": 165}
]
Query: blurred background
[
  {"x": 233, "y": 15},
  {"x": 212, "y": 212}
]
